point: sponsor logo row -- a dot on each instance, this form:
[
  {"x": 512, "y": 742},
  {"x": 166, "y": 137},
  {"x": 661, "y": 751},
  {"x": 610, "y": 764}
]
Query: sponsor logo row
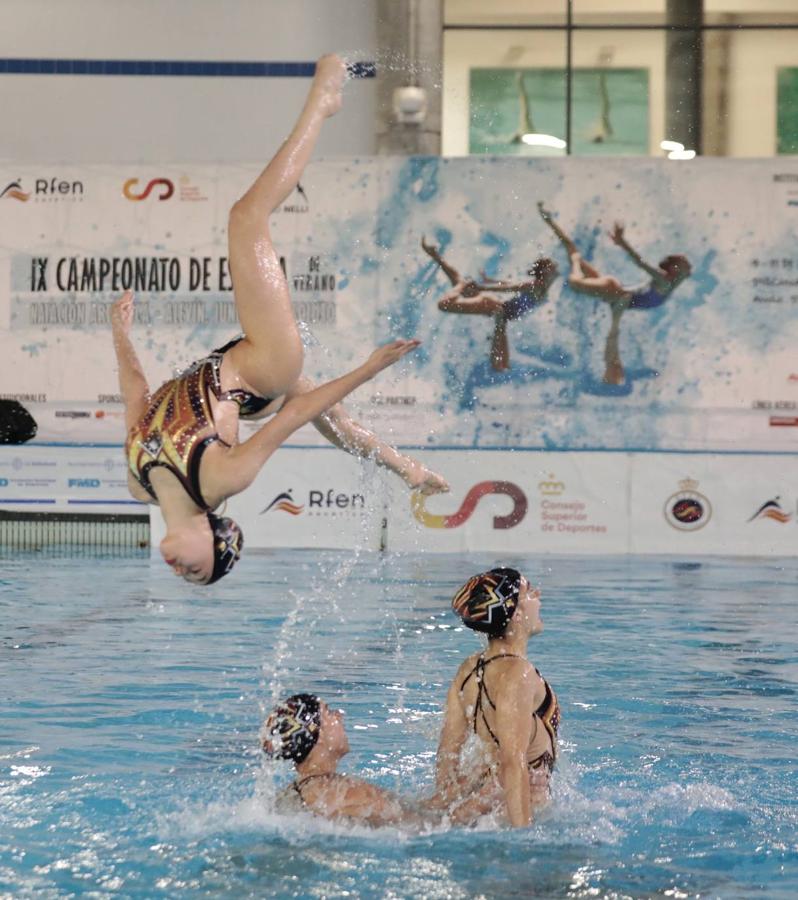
[
  {"x": 686, "y": 510},
  {"x": 52, "y": 188}
]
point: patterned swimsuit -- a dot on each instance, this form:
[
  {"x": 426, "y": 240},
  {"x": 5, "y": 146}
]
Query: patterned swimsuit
[
  {"x": 173, "y": 431},
  {"x": 547, "y": 714}
]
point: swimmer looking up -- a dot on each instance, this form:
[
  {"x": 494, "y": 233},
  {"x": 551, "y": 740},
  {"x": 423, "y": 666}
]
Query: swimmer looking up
[
  {"x": 306, "y": 731},
  {"x": 501, "y": 697}
]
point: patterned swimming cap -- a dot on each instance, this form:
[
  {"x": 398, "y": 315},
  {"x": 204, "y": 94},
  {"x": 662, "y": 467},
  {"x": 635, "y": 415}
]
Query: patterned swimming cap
[
  {"x": 487, "y": 601},
  {"x": 228, "y": 542},
  {"x": 292, "y": 728}
]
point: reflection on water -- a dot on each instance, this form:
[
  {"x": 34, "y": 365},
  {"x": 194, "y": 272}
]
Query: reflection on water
[{"x": 129, "y": 759}]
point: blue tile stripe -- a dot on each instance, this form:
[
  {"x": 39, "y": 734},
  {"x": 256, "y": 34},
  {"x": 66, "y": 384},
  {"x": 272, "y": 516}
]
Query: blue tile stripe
[{"x": 171, "y": 68}]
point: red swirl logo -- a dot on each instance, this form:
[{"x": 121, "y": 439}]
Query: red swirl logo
[
  {"x": 128, "y": 189},
  {"x": 469, "y": 504}
]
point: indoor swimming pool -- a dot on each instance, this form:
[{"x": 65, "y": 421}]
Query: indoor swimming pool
[{"x": 131, "y": 705}]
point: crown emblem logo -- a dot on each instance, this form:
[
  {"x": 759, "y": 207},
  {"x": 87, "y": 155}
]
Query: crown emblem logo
[{"x": 551, "y": 487}]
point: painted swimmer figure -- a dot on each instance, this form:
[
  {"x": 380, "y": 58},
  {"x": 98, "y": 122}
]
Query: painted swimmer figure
[{"x": 586, "y": 279}]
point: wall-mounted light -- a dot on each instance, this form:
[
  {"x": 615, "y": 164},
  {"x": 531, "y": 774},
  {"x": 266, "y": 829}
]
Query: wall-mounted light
[
  {"x": 543, "y": 140},
  {"x": 676, "y": 150}
]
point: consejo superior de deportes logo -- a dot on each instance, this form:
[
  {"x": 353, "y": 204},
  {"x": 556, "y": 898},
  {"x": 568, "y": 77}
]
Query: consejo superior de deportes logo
[{"x": 469, "y": 504}]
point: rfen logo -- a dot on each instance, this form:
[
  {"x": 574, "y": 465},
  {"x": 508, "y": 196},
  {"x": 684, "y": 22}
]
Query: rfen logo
[
  {"x": 13, "y": 191},
  {"x": 84, "y": 482},
  {"x": 167, "y": 189},
  {"x": 285, "y": 503},
  {"x": 469, "y": 504}
]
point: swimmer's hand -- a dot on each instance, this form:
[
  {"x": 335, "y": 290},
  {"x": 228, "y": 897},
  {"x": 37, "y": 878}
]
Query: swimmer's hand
[
  {"x": 544, "y": 213},
  {"x": 387, "y": 355},
  {"x": 419, "y": 478},
  {"x": 122, "y": 313}
]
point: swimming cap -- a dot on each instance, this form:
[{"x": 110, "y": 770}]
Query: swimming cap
[
  {"x": 293, "y": 728},
  {"x": 487, "y": 601},
  {"x": 228, "y": 542}
]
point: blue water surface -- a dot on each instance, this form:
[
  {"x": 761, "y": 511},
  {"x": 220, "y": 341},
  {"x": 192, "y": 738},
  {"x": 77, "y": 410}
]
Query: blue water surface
[{"x": 130, "y": 705}]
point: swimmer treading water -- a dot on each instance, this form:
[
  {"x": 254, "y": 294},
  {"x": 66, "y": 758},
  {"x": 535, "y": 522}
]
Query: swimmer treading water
[
  {"x": 497, "y": 696},
  {"x": 182, "y": 446}
]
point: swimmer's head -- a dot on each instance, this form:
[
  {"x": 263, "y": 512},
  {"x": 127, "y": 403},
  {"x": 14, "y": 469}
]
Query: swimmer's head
[
  {"x": 304, "y": 724},
  {"x": 490, "y": 601},
  {"x": 203, "y": 549},
  {"x": 293, "y": 727},
  {"x": 228, "y": 542},
  {"x": 676, "y": 266},
  {"x": 544, "y": 270}
]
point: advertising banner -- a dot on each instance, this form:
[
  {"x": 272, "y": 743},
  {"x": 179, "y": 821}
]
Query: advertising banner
[
  {"x": 319, "y": 498},
  {"x": 35, "y": 478},
  {"x": 518, "y": 502},
  {"x": 698, "y": 504},
  {"x": 693, "y": 348}
]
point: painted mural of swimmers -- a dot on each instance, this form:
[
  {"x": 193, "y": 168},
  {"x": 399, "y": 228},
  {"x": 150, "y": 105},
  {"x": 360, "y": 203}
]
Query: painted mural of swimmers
[
  {"x": 469, "y": 297},
  {"x": 671, "y": 271},
  {"x": 182, "y": 447}
]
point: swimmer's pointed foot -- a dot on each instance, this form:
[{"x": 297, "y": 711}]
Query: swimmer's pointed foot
[
  {"x": 545, "y": 214},
  {"x": 328, "y": 82},
  {"x": 614, "y": 374},
  {"x": 419, "y": 478}
]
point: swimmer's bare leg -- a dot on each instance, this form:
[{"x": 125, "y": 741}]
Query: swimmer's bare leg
[
  {"x": 499, "y": 345},
  {"x": 480, "y": 305},
  {"x": 270, "y": 358},
  {"x": 613, "y": 368},
  {"x": 451, "y": 273},
  {"x": 586, "y": 279},
  {"x": 566, "y": 241}
]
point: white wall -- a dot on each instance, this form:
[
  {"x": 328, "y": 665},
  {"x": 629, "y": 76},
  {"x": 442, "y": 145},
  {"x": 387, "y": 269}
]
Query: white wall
[{"x": 87, "y": 118}]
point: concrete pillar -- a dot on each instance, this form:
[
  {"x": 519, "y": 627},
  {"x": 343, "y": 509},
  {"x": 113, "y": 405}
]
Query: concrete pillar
[
  {"x": 683, "y": 90},
  {"x": 410, "y": 38}
]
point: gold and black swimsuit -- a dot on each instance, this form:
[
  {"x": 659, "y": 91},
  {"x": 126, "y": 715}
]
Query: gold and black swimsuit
[
  {"x": 547, "y": 714},
  {"x": 172, "y": 433}
]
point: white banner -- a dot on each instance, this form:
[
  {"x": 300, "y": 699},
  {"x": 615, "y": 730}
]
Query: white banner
[
  {"x": 306, "y": 498},
  {"x": 711, "y": 367},
  {"x": 518, "y": 502},
  {"x": 35, "y": 478}
]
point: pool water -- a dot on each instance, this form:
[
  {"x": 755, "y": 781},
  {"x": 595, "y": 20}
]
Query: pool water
[{"x": 130, "y": 705}]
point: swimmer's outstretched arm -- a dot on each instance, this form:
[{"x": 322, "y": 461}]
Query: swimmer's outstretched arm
[
  {"x": 241, "y": 463},
  {"x": 359, "y": 801},
  {"x": 619, "y": 239},
  {"x": 132, "y": 381},
  {"x": 343, "y": 432}
]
